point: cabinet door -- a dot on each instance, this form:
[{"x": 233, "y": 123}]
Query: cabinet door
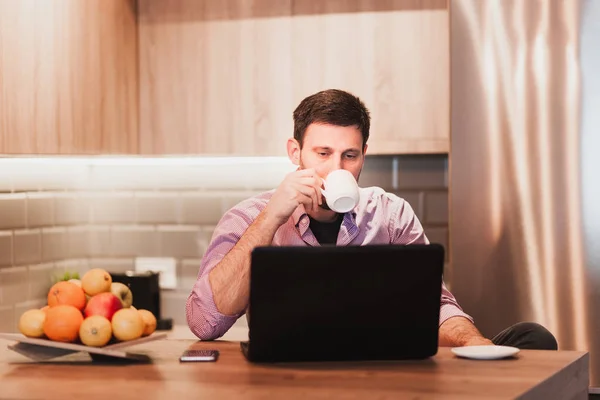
[
  {"x": 223, "y": 77},
  {"x": 68, "y": 77}
]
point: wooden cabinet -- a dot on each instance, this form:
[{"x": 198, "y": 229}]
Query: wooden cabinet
[
  {"x": 223, "y": 77},
  {"x": 216, "y": 77},
  {"x": 68, "y": 77}
]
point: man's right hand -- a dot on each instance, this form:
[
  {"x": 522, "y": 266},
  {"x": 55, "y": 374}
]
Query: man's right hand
[{"x": 302, "y": 186}]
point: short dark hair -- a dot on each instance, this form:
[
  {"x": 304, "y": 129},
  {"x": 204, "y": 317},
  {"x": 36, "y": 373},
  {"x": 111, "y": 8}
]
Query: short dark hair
[{"x": 334, "y": 107}]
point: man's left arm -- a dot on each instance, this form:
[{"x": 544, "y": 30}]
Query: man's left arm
[
  {"x": 456, "y": 327},
  {"x": 459, "y": 331}
]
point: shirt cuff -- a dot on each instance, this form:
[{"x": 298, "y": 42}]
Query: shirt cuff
[
  {"x": 448, "y": 311},
  {"x": 203, "y": 317}
]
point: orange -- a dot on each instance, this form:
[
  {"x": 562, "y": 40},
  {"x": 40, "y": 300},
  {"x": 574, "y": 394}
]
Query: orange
[
  {"x": 149, "y": 322},
  {"x": 31, "y": 323},
  {"x": 95, "y": 331},
  {"x": 66, "y": 293},
  {"x": 62, "y": 323}
]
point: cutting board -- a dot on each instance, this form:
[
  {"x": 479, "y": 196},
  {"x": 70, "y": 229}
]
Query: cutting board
[{"x": 44, "y": 349}]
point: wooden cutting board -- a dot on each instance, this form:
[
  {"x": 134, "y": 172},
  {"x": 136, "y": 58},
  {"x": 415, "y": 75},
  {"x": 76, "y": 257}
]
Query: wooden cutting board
[{"x": 44, "y": 349}]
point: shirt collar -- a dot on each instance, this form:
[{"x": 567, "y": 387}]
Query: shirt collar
[{"x": 300, "y": 213}]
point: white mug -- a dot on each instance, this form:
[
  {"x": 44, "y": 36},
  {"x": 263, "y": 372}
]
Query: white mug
[{"x": 341, "y": 191}]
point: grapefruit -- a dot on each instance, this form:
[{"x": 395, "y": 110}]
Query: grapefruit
[
  {"x": 95, "y": 281},
  {"x": 127, "y": 324},
  {"x": 31, "y": 323},
  {"x": 95, "y": 331},
  {"x": 149, "y": 322}
]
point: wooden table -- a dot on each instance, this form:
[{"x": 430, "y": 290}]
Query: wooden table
[{"x": 533, "y": 375}]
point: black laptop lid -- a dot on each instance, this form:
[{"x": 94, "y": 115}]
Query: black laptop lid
[{"x": 372, "y": 302}]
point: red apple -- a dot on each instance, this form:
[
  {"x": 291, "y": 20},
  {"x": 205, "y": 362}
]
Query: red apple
[{"x": 104, "y": 304}]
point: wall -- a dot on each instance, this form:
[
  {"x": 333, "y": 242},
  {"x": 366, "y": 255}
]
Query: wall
[
  {"x": 590, "y": 165},
  {"x": 73, "y": 214}
]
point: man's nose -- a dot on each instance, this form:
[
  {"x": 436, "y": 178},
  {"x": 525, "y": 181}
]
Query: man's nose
[{"x": 337, "y": 163}]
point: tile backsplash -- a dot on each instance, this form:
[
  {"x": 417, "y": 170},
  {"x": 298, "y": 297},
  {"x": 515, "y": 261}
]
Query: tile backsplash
[{"x": 71, "y": 214}]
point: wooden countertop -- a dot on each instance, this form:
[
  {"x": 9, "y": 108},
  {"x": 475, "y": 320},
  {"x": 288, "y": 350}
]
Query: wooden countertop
[{"x": 533, "y": 374}]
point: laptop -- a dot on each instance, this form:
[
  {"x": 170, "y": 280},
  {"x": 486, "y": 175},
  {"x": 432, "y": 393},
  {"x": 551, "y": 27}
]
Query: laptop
[{"x": 344, "y": 303}]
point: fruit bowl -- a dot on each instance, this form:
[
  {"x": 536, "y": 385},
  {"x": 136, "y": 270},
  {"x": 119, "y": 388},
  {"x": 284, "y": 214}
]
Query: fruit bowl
[
  {"x": 45, "y": 350},
  {"x": 93, "y": 315}
]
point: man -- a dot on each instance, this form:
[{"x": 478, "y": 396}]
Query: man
[{"x": 331, "y": 129}]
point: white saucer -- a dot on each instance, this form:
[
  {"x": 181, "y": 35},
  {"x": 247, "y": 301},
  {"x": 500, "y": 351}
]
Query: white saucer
[{"x": 485, "y": 352}]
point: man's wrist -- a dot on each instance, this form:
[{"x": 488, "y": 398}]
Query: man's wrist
[
  {"x": 478, "y": 341},
  {"x": 268, "y": 221}
]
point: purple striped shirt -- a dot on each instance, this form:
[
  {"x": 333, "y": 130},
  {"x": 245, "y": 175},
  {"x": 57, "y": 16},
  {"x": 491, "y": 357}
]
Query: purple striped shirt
[{"x": 379, "y": 218}]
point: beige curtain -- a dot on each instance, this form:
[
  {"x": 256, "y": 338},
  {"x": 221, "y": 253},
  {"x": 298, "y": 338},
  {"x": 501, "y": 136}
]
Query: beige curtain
[{"x": 516, "y": 241}]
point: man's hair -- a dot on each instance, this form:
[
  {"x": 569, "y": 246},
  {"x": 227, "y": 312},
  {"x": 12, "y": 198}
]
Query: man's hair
[{"x": 333, "y": 107}]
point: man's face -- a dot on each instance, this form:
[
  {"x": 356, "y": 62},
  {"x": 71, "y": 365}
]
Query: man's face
[{"x": 330, "y": 147}]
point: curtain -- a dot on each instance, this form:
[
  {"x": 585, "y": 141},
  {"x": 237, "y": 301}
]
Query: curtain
[{"x": 517, "y": 238}]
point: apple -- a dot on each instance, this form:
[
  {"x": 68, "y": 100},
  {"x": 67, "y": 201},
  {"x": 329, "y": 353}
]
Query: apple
[
  {"x": 104, "y": 304},
  {"x": 123, "y": 292}
]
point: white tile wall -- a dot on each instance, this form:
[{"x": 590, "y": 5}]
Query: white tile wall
[{"x": 76, "y": 213}]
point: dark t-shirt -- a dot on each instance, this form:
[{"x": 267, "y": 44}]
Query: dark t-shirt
[{"x": 326, "y": 232}]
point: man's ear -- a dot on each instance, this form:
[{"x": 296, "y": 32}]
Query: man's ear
[
  {"x": 365, "y": 149},
  {"x": 293, "y": 150}
]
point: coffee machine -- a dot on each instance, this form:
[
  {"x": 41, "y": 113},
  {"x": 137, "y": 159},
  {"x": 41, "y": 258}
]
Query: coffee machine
[{"x": 146, "y": 294}]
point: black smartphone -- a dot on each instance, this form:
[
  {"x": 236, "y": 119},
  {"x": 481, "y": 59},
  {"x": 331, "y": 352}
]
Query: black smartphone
[{"x": 199, "y": 356}]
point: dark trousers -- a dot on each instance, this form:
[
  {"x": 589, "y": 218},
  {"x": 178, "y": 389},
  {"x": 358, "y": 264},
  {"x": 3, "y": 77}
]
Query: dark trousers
[{"x": 526, "y": 335}]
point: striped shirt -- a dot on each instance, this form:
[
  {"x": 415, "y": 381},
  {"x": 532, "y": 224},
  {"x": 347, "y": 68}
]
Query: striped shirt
[{"x": 379, "y": 218}]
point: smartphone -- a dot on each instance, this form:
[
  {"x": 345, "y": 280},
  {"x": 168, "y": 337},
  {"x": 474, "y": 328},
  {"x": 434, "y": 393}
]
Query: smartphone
[{"x": 199, "y": 355}]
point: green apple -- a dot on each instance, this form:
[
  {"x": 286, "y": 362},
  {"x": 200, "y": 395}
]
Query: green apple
[{"x": 123, "y": 292}]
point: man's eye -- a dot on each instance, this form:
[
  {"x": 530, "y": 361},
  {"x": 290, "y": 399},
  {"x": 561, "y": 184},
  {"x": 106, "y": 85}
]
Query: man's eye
[
  {"x": 322, "y": 154},
  {"x": 351, "y": 156}
]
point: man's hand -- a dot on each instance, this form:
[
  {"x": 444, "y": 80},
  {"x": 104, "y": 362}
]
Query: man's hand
[
  {"x": 479, "y": 341},
  {"x": 230, "y": 278},
  {"x": 299, "y": 187}
]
